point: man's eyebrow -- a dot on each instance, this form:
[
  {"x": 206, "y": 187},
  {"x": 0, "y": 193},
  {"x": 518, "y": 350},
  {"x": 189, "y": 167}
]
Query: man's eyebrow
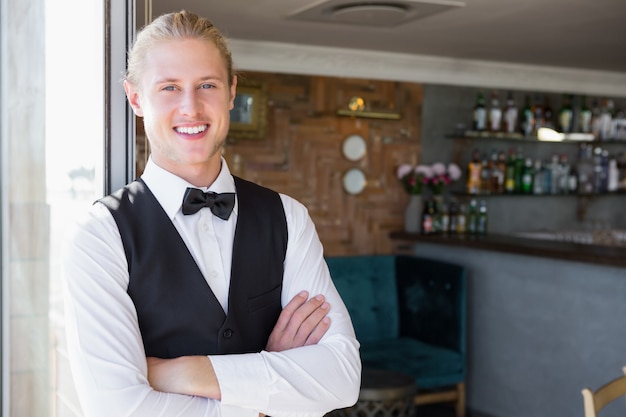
[
  {"x": 166, "y": 80},
  {"x": 200, "y": 79}
]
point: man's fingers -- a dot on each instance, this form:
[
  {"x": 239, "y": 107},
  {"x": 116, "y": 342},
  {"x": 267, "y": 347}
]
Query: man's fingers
[
  {"x": 288, "y": 311},
  {"x": 319, "y": 331},
  {"x": 302, "y": 322},
  {"x": 303, "y": 313},
  {"x": 310, "y": 323}
]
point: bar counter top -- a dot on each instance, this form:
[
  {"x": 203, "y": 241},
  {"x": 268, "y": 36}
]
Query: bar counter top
[{"x": 569, "y": 251}]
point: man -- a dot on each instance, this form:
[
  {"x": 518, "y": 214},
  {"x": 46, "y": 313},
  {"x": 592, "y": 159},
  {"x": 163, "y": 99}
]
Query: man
[{"x": 165, "y": 298}]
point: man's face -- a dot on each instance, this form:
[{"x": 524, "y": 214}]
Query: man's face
[{"x": 185, "y": 100}]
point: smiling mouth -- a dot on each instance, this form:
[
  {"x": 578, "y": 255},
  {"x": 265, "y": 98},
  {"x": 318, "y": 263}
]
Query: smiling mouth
[{"x": 192, "y": 130}]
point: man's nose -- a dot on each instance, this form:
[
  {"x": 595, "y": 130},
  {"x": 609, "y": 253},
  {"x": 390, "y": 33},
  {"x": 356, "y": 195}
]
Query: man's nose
[{"x": 190, "y": 103}]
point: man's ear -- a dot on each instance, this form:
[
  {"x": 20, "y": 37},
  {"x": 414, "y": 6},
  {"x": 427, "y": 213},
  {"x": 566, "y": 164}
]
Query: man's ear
[
  {"x": 133, "y": 98},
  {"x": 233, "y": 93}
]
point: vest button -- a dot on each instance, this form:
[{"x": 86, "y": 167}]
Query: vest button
[{"x": 228, "y": 333}]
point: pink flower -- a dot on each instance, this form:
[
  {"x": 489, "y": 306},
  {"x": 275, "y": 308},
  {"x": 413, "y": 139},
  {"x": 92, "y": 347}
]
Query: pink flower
[
  {"x": 403, "y": 170},
  {"x": 439, "y": 168},
  {"x": 435, "y": 176},
  {"x": 454, "y": 171},
  {"x": 424, "y": 170}
]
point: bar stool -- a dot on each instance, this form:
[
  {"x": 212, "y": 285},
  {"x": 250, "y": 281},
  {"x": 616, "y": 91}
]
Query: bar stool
[{"x": 383, "y": 394}]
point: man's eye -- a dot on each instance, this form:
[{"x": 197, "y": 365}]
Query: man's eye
[
  {"x": 169, "y": 88},
  {"x": 206, "y": 86}
]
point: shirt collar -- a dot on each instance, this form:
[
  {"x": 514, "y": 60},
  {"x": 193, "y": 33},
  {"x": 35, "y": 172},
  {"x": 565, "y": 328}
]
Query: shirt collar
[{"x": 169, "y": 189}]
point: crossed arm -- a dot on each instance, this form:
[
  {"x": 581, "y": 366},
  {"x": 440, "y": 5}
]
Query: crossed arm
[{"x": 302, "y": 322}]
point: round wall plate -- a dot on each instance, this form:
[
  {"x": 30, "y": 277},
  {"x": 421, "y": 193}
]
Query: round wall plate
[
  {"x": 354, "y": 181},
  {"x": 354, "y": 147}
]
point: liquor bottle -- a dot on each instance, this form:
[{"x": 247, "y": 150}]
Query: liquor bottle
[
  {"x": 437, "y": 220},
  {"x": 596, "y": 176},
  {"x": 474, "y": 173},
  {"x": 613, "y": 180},
  {"x": 621, "y": 168},
  {"x": 518, "y": 170},
  {"x": 527, "y": 118},
  {"x": 494, "y": 174},
  {"x": 538, "y": 181},
  {"x": 485, "y": 176},
  {"x": 501, "y": 168},
  {"x": 510, "y": 114},
  {"x": 585, "y": 116},
  {"x": 538, "y": 115},
  {"x": 564, "y": 173},
  {"x": 472, "y": 218},
  {"x": 428, "y": 214},
  {"x": 585, "y": 169},
  {"x": 596, "y": 123},
  {"x": 444, "y": 219},
  {"x": 604, "y": 173},
  {"x": 527, "y": 177},
  {"x": 461, "y": 220},
  {"x": 480, "y": 113},
  {"x": 481, "y": 227},
  {"x": 547, "y": 178},
  {"x": 572, "y": 180},
  {"x": 452, "y": 225},
  {"x": 509, "y": 178},
  {"x": 495, "y": 113},
  {"x": 566, "y": 115},
  {"x": 618, "y": 128},
  {"x": 606, "y": 120},
  {"x": 555, "y": 175},
  {"x": 548, "y": 114}
]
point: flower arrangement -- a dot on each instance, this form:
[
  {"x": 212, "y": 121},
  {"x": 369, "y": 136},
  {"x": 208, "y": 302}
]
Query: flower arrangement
[{"x": 435, "y": 177}]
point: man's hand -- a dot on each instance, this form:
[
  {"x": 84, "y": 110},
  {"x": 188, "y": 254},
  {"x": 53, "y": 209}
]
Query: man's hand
[{"x": 301, "y": 323}]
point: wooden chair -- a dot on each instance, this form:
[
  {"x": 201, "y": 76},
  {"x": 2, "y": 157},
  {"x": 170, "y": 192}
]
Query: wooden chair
[{"x": 594, "y": 401}]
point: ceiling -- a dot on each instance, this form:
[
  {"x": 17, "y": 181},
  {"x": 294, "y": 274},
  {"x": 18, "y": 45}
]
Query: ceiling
[{"x": 582, "y": 34}]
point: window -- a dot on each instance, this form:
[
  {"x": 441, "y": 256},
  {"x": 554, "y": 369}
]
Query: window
[
  {"x": 74, "y": 144},
  {"x": 54, "y": 101}
]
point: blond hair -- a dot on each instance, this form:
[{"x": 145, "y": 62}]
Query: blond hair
[{"x": 175, "y": 26}]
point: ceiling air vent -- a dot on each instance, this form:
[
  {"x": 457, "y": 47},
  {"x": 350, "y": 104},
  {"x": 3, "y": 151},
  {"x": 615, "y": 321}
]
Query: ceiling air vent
[
  {"x": 381, "y": 13},
  {"x": 369, "y": 14}
]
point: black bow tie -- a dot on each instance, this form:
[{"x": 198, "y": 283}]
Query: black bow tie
[{"x": 220, "y": 204}]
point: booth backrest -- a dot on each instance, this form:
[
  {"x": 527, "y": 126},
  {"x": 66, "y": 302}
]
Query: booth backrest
[
  {"x": 367, "y": 285},
  {"x": 432, "y": 304},
  {"x": 390, "y": 296}
]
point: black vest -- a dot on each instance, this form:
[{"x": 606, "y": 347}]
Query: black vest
[{"x": 177, "y": 311}]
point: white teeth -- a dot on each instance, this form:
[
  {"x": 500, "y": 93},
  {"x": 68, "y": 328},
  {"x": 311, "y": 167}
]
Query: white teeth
[{"x": 191, "y": 130}]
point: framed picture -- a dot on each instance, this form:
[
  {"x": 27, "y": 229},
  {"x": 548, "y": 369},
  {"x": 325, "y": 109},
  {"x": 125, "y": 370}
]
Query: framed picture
[{"x": 248, "y": 116}]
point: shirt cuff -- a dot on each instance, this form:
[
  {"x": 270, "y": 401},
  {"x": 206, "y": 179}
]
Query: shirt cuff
[{"x": 244, "y": 380}]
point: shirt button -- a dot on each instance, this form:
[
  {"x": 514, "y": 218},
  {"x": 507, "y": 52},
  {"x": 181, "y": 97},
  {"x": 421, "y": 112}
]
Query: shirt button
[
  {"x": 213, "y": 274},
  {"x": 205, "y": 227},
  {"x": 228, "y": 333}
]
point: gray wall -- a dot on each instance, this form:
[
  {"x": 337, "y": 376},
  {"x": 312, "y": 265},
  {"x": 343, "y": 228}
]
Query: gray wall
[
  {"x": 539, "y": 330},
  {"x": 446, "y": 107}
]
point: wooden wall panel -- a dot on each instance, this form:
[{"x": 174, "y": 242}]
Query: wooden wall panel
[{"x": 301, "y": 155}]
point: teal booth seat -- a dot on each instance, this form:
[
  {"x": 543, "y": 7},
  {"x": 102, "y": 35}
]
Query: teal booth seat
[{"x": 409, "y": 314}]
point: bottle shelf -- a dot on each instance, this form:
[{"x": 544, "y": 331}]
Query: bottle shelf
[
  {"x": 481, "y": 195},
  {"x": 518, "y": 137}
]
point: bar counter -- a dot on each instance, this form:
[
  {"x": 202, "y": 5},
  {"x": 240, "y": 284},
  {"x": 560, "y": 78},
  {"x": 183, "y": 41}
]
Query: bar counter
[{"x": 569, "y": 251}]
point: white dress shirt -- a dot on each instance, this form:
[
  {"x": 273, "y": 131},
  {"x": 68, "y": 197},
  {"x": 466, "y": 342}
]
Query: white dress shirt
[{"x": 104, "y": 342}]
